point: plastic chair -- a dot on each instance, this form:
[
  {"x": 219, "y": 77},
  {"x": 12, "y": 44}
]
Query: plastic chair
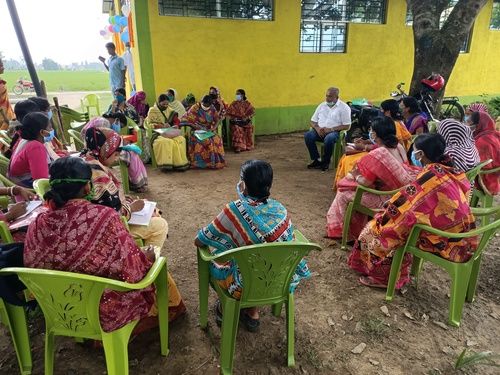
[
  {"x": 90, "y": 101},
  {"x": 463, "y": 275},
  {"x": 481, "y": 196},
  {"x": 473, "y": 173},
  {"x": 266, "y": 270},
  {"x": 70, "y": 305},
  {"x": 77, "y": 138},
  {"x": 5, "y": 135},
  {"x": 14, "y": 317},
  {"x": 138, "y": 241},
  {"x": 338, "y": 149},
  {"x": 149, "y": 133},
  {"x": 124, "y": 174},
  {"x": 41, "y": 186},
  {"x": 356, "y": 205}
]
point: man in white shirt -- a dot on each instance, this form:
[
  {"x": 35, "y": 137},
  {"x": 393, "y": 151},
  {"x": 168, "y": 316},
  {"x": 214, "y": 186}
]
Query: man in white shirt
[{"x": 330, "y": 117}]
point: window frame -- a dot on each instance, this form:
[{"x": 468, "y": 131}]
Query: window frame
[
  {"x": 185, "y": 6},
  {"x": 320, "y": 28},
  {"x": 496, "y": 3}
]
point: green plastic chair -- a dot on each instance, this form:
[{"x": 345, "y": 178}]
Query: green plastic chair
[
  {"x": 77, "y": 139},
  {"x": 267, "y": 270},
  {"x": 338, "y": 149},
  {"x": 4, "y": 134},
  {"x": 70, "y": 305},
  {"x": 41, "y": 186},
  {"x": 481, "y": 196},
  {"x": 14, "y": 317},
  {"x": 149, "y": 133},
  {"x": 474, "y": 172},
  {"x": 463, "y": 275},
  {"x": 356, "y": 205},
  {"x": 90, "y": 101},
  {"x": 124, "y": 175}
]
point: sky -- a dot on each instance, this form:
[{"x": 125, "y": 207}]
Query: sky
[{"x": 66, "y": 31}]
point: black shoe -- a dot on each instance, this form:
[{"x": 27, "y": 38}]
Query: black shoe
[
  {"x": 316, "y": 164},
  {"x": 251, "y": 325},
  {"x": 325, "y": 167}
]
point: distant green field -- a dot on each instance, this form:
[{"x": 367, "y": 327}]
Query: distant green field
[{"x": 63, "y": 80}]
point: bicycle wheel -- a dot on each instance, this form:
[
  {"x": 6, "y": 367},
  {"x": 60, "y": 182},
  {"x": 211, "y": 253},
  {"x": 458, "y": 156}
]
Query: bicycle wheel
[
  {"x": 18, "y": 89},
  {"x": 450, "y": 108}
]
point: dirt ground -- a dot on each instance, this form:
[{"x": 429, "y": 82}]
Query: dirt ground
[{"x": 334, "y": 313}]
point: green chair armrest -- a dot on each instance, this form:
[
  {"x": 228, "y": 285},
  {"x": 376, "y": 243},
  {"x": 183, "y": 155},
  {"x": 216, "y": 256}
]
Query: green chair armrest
[
  {"x": 438, "y": 232},
  {"x": 479, "y": 211},
  {"x": 116, "y": 285},
  {"x": 489, "y": 171},
  {"x": 377, "y": 192}
]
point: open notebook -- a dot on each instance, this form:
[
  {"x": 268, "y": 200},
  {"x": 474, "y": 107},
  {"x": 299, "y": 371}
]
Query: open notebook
[{"x": 143, "y": 217}]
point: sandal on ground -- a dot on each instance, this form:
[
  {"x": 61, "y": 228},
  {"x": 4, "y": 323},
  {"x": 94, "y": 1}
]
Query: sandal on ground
[
  {"x": 368, "y": 281},
  {"x": 218, "y": 312},
  {"x": 251, "y": 325}
]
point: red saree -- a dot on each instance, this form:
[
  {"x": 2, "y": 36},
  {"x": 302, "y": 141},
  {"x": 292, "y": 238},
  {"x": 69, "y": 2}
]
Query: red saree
[
  {"x": 240, "y": 113},
  {"x": 384, "y": 172},
  {"x": 438, "y": 198},
  {"x": 488, "y": 144},
  {"x": 7, "y": 111},
  {"x": 91, "y": 239}
]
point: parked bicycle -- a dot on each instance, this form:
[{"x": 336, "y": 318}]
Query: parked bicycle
[
  {"x": 450, "y": 106},
  {"x": 23, "y": 85}
]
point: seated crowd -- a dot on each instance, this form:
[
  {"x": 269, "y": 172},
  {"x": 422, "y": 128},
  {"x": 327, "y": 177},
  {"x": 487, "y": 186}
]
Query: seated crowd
[{"x": 83, "y": 228}]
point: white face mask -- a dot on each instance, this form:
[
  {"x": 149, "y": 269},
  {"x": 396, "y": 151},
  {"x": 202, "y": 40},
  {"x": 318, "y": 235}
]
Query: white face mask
[
  {"x": 205, "y": 108},
  {"x": 239, "y": 97}
]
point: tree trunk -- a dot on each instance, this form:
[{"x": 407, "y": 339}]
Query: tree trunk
[{"x": 437, "y": 49}]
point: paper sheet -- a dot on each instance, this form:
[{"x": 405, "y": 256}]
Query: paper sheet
[
  {"x": 32, "y": 205},
  {"x": 143, "y": 217}
]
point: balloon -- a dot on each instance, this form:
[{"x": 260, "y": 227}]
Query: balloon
[
  {"x": 123, "y": 21},
  {"x": 117, "y": 19},
  {"x": 116, "y": 28},
  {"x": 110, "y": 28},
  {"x": 125, "y": 37},
  {"x": 103, "y": 32},
  {"x": 111, "y": 20},
  {"x": 125, "y": 10}
]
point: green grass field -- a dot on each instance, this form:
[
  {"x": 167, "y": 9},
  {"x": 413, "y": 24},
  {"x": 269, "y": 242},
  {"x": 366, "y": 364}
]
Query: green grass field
[{"x": 63, "y": 80}]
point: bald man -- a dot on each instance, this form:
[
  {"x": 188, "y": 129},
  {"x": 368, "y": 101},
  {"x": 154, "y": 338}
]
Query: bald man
[{"x": 330, "y": 117}]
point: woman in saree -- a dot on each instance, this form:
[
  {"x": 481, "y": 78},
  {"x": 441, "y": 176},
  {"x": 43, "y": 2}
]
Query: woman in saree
[
  {"x": 487, "y": 140},
  {"x": 252, "y": 219},
  {"x": 6, "y": 111},
  {"x": 438, "y": 198},
  {"x": 130, "y": 154},
  {"x": 240, "y": 113},
  {"x": 460, "y": 145},
  {"x": 205, "y": 148},
  {"x": 138, "y": 101},
  {"x": 78, "y": 236},
  {"x": 218, "y": 102},
  {"x": 384, "y": 168},
  {"x": 174, "y": 104},
  {"x": 169, "y": 145},
  {"x": 102, "y": 152},
  {"x": 30, "y": 159},
  {"x": 414, "y": 119},
  {"x": 360, "y": 148}
]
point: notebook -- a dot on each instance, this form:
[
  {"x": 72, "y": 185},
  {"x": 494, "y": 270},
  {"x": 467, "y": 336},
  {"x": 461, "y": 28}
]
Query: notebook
[
  {"x": 143, "y": 217},
  {"x": 202, "y": 134}
]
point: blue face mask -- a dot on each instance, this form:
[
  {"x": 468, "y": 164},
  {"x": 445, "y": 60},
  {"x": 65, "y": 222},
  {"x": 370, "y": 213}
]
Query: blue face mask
[
  {"x": 116, "y": 127},
  {"x": 120, "y": 98},
  {"x": 239, "y": 97},
  {"x": 49, "y": 137},
  {"x": 49, "y": 114},
  {"x": 466, "y": 118},
  {"x": 372, "y": 139},
  {"x": 415, "y": 161}
]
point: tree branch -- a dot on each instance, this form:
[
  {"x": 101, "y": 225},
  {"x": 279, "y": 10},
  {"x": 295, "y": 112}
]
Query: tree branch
[{"x": 461, "y": 18}]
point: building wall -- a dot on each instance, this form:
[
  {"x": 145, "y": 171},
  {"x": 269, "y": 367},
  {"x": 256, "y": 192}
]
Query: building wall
[{"x": 191, "y": 54}]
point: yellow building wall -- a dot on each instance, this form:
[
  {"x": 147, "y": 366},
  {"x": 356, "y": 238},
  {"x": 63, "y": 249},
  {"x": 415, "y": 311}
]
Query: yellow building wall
[{"x": 191, "y": 54}]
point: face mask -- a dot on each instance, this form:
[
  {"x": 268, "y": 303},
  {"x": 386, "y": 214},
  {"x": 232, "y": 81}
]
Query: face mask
[
  {"x": 205, "y": 108},
  {"x": 239, "y": 97},
  {"x": 330, "y": 104},
  {"x": 116, "y": 127},
  {"x": 170, "y": 98},
  {"x": 49, "y": 137},
  {"x": 239, "y": 191},
  {"x": 49, "y": 114},
  {"x": 120, "y": 98},
  {"x": 372, "y": 138},
  {"x": 415, "y": 161},
  {"x": 466, "y": 119}
]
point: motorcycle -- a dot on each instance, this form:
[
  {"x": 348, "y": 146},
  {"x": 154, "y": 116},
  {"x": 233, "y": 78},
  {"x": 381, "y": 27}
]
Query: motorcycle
[{"x": 23, "y": 85}]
